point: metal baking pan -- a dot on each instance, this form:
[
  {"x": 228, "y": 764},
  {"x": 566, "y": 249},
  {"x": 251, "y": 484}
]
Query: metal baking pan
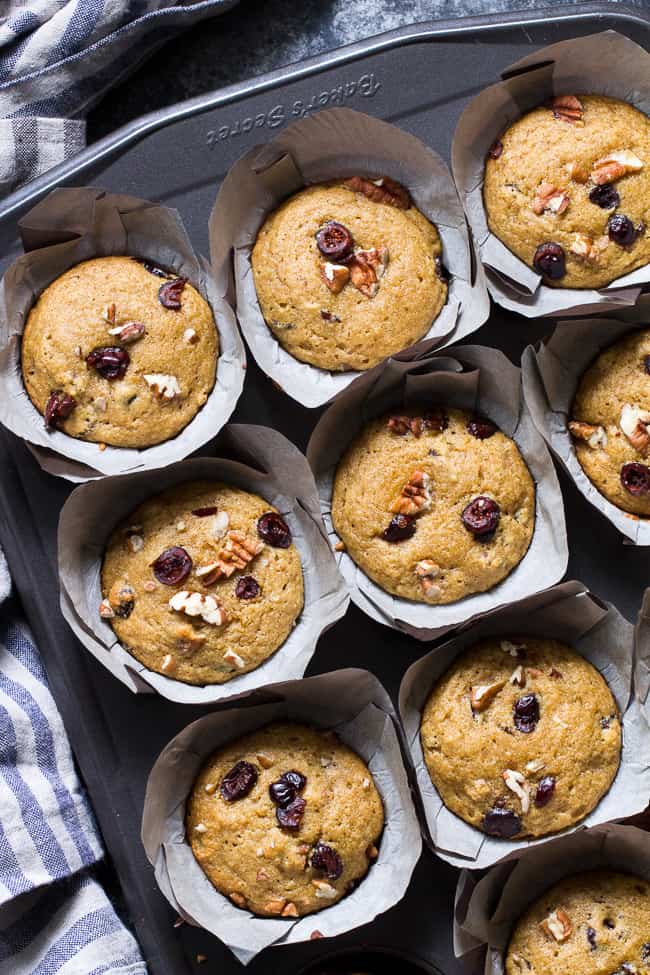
[{"x": 420, "y": 78}]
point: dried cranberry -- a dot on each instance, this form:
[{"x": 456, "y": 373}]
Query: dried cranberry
[
  {"x": 606, "y": 721},
  {"x": 609, "y": 923},
  {"x": 282, "y": 792},
  {"x": 481, "y": 428},
  {"x": 621, "y": 230},
  {"x": 495, "y": 149},
  {"x": 591, "y": 937},
  {"x": 646, "y": 364},
  {"x": 324, "y": 858},
  {"x": 334, "y": 241},
  {"x": 328, "y": 316},
  {"x": 296, "y": 779},
  {"x": 290, "y": 817},
  {"x": 435, "y": 419},
  {"x": 481, "y": 517},
  {"x": 526, "y": 713},
  {"x": 153, "y": 268},
  {"x": 247, "y": 588},
  {"x": 545, "y": 791},
  {"x": 399, "y": 528},
  {"x": 172, "y": 566},
  {"x": 205, "y": 512},
  {"x": 238, "y": 782},
  {"x": 605, "y": 196},
  {"x": 273, "y": 529},
  {"x": 58, "y": 407},
  {"x": 111, "y": 362},
  {"x": 645, "y": 951},
  {"x": 549, "y": 260},
  {"x": 635, "y": 478},
  {"x": 501, "y": 822},
  {"x": 441, "y": 270},
  {"x": 169, "y": 294}
]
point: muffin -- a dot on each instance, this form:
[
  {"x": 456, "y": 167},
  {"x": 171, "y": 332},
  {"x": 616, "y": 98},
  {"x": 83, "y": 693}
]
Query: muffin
[
  {"x": 521, "y": 737},
  {"x": 434, "y": 506},
  {"x": 610, "y": 423},
  {"x": 567, "y": 189},
  {"x": 284, "y": 821},
  {"x": 117, "y": 351},
  {"x": 591, "y": 923},
  {"x": 202, "y": 582},
  {"x": 348, "y": 273}
]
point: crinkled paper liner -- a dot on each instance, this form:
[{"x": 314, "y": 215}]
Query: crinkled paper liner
[
  {"x": 550, "y": 375},
  {"x": 73, "y": 225},
  {"x": 490, "y": 385},
  {"x": 354, "y": 704},
  {"x": 567, "y": 612},
  {"x": 329, "y": 145},
  {"x": 606, "y": 64},
  {"x": 487, "y": 910},
  {"x": 268, "y": 465}
]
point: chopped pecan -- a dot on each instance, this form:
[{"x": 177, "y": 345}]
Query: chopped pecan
[
  {"x": 616, "y": 164},
  {"x": 635, "y": 424},
  {"x": 415, "y": 497},
  {"x": 550, "y": 197},
  {"x": 324, "y": 890},
  {"x": 106, "y": 610},
  {"x": 238, "y": 551},
  {"x": 426, "y": 570},
  {"x": 578, "y": 172},
  {"x": 134, "y": 541},
  {"x": 169, "y": 664},
  {"x": 234, "y": 659},
  {"x": 587, "y": 248},
  {"x": 557, "y": 925},
  {"x": 534, "y": 766},
  {"x": 382, "y": 190},
  {"x": 188, "y": 640},
  {"x": 266, "y": 761},
  {"x": 335, "y": 276},
  {"x": 128, "y": 332},
  {"x": 595, "y": 436},
  {"x": 366, "y": 268},
  {"x": 567, "y": 108},
  {"x": 190, "y": 336},
  {"x": 290, "y": 910},
  {"x": 514, "y": 649},
  {"x": 518, "y": 677},
  {"x": 196, "y": 604},
  {"x": 162, "y": 386},
  {"x": 483, "y": 694},
  {"x": 516, "y": 782}
]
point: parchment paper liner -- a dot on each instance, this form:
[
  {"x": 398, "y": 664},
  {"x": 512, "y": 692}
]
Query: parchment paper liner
[
  {"x": 282, "y": 476},
  {"x": 550, "y": 375},
  {"x": 491, "y": 385},
  {"x": 607, "y": 64},
  {"x": 331, "y": 144},
  {"x": 487, "y": 909},
  {"x": 73, "y": 225},
  {"x": 356, "y": 706},
  {"x": 598, "y": 632}
]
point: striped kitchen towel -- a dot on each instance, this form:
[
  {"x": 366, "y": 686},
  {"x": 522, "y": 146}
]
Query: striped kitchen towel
[{"x": 58, "y": 57}]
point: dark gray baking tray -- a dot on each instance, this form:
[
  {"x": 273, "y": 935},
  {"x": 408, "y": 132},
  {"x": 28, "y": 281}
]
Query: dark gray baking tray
[{"x": 420, "y": 78}]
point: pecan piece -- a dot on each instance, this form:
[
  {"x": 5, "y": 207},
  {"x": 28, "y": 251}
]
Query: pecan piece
[
  {"x": 128, "y": 332},
  {"x": 567, "y": 108},
  {"x": 162, "y": 386},
  {"x": 550, "y": 197},
  {"x": 587, "y": 248},
  {"x": 426, "y": 570},
  {"x": 516, "y": 782},
  {"x": 616, "y": 164},
  {"x": 557, "y": 925},
  {"x": 415, "y": 497},
  {"x": 483, "y": 694},
  {"x": 366, "y": 268},
  {"x": 238, "y": 551},
  {"x": 595, "y": 436},
  {"x": 635, "y": 424},
  {"x": 335, "y": 276},
  {"x": 196, "y": 604},
  {"x": 382, "y": 190}
]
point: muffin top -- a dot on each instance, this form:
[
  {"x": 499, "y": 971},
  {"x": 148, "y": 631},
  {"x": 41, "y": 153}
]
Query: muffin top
[
  {"x": 610, "y": 423},
  {"x": 521, "y": 737},
  {"x": 348, "y": 273},
  {"x": 434, "y": 506},
  {"x": 567, "y": 189},
  {"x": 116, "y": 351},
  {"x": 593, "y": 923},
  {"x": 202, "y": 582},
  {"x": 285, "y": 821}
]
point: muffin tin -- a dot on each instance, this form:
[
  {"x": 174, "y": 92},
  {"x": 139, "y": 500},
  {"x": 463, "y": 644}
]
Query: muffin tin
[{"x": 418, "y": 78}]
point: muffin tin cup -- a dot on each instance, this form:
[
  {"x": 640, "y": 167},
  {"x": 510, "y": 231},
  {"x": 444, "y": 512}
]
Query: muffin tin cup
[
  {"x": 355, "y": 705},
  {"x": 487, "y": 909},
  {"x": 329, "y": 145},
  {"x": 605, "y": 64},
  {"x": 476, "y": 378},
  {"x": 568, "y": 612},
  {"x": 74, "y": 225},
  {"x": 267, "y": 464},
  {"x": 551, "y": 373}
]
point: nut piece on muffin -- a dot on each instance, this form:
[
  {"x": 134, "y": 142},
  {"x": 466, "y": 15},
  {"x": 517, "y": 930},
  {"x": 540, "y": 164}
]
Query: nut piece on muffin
[
  {"x": 349, "y": 272},
  {"x": 285, "y": 821},
  {"x": 202, "y": 582},
  {"x": 118, "y": 352},
  {"x": 434, "y": 506},
  {"x": 521, "y": 737},
  {"x": 610, "y": 423},
  {"x": 597, "y": 921},
  {"x": 567, "y": 189}
]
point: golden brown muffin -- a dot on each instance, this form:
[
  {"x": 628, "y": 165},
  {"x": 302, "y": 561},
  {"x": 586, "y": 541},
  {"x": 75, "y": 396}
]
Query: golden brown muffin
[
  {"x": 574, "y": 174},
  {"x": 118, "y": 352},
  {"x": 593, "y": 923},
  {"x": 521, "y": 737},
  {"x": 611, "y": 423},
  {"x": 434, "y": 507},
  {"x": 284, "y": 821},
  {"x": 202, "y": 582},
  {"x": 376, "y": 289}
]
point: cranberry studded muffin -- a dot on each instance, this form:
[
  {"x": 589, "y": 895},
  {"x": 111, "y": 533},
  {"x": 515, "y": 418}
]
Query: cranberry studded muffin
[
  {"x": 593, "y": 923},
  {"x": 567, "y": 189},
  {"x": 202, "y": 583},
  {"x": 434, "y": 506},
  {"x": 610, "y": 423},
  {"x": 284, "y": 821},
  {"x": 348, "y": 273},
  {"x": 521, "y": 737},
  {"x": 117, "y": 351}
]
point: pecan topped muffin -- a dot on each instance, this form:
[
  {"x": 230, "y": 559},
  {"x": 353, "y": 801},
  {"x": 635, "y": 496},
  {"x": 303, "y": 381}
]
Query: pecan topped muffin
[
  {"x": 348, "y": 273},
  {"x": 284, "y": 821},
  {"x": 434, "y": 506},
  {"x": 567, "y": 189},
  {"x": 590, "y": 923},
  {"x": 521, "y": 737},
  {"x": 610, "y": 423},
  {"x": 118, "y": 352},
  {"x": 202, "y": 582}
]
